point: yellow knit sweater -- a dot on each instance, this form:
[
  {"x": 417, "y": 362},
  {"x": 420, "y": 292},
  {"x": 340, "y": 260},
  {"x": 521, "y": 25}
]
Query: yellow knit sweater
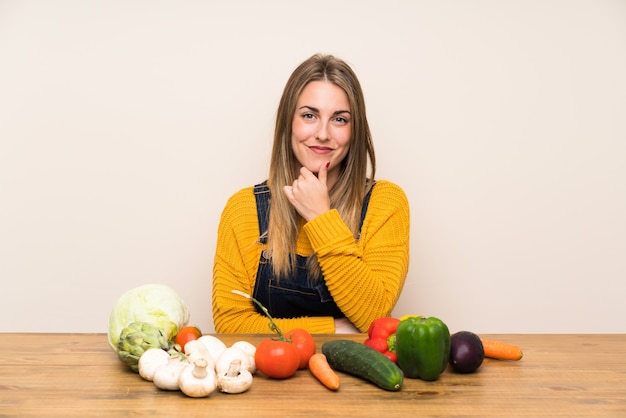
[{"x": 364, "y": 277}]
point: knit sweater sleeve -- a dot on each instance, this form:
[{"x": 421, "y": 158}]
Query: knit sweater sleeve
[
  {"x": 235, "y": 266},
  {"x": 365, "y": 277}
]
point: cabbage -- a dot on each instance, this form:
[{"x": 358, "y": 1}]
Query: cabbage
[{"x": 155, "y": 304}]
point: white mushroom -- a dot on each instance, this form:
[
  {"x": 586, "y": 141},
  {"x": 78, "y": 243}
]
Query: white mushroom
[
  {"x": 213, "y": 344},
  {"x": 235, "y": 380},
  {"x": 197, "y": 380},
  {"x": 166, "y": 376},
  {"x": 150, "y": 360},
  {"x": 223, "y": 362},
  {"x": 195, "y": 350},
  {"x": 250, "y": 350}
]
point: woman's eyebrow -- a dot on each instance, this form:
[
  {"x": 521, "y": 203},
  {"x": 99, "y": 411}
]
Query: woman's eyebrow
[{"x": 316, "y": 110}]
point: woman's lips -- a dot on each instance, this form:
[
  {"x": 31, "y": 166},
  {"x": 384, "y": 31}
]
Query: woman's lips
[{"x": 320, "y": 150}]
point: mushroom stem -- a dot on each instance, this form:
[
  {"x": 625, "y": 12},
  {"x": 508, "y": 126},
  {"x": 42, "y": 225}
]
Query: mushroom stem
[{"x": 234, "y": 368}]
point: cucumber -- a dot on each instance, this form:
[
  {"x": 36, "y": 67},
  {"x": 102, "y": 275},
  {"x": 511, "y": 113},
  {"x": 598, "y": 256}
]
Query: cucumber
[{"x": 362, "y": 361}]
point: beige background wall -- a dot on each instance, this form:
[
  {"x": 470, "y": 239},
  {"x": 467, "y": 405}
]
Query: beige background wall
[{"x": 125, "y": 126}]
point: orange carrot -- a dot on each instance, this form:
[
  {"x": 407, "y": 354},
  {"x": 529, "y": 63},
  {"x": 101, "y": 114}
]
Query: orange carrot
[
  {"x": 501, "y": 351},
  {"x": 319, "y": 367}
]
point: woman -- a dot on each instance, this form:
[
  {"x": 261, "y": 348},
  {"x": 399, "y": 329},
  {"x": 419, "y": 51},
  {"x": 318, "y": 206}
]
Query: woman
[{"x": 329, "y": 252}]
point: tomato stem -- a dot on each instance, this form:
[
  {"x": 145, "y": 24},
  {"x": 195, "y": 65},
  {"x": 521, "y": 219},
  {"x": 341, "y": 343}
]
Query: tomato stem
[{"x": 272, "y": 325}]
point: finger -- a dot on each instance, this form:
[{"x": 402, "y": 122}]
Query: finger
[
  {"x": 305, "y": 173},
  {"x": 288, "y": 190},
  {"x": 323, "y": 173}
]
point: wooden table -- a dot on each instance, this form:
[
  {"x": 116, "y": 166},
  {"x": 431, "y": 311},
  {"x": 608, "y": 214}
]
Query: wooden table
[{"x": 79, "y": 375}]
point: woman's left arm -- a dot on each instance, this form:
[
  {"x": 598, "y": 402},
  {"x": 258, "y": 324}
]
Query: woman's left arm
[{"x": 365, "y": 278}]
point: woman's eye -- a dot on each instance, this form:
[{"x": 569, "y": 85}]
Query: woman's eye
[
  {"x": 341, "y": 120},
  {"x": 308, "y": 116}
]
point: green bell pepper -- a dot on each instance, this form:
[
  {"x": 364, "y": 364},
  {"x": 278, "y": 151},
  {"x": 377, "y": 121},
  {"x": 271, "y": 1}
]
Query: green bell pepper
[{"x": 422, "y": 347}]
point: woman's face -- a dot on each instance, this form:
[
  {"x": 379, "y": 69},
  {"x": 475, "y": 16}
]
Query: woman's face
[{"x": 322, "y": 128}]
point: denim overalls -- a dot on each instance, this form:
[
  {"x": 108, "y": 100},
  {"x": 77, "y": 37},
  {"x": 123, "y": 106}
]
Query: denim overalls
[{"x": 297, "y": 296}]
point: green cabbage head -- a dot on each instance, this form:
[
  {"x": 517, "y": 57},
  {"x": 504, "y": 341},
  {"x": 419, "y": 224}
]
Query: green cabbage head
[{"x": 155, "y": 304}]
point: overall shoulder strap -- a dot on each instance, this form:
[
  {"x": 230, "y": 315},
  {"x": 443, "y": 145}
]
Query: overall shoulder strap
[
  {"x": 262, "y": 196},
  {"x": 366, "y": 201}
]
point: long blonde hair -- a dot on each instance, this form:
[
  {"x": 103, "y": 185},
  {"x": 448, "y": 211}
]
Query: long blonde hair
[{"x": 348, "y": 192}]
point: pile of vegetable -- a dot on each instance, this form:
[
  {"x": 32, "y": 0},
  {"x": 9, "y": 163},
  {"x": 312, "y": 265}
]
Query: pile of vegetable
[
  {"x": 204, "y": 364},
  {"x": 149, "y": 330},
  {"x": 423, "y": 347}
]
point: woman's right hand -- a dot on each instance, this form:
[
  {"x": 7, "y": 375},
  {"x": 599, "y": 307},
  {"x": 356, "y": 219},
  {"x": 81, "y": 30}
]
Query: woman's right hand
[{"x": 309, "y": 193}]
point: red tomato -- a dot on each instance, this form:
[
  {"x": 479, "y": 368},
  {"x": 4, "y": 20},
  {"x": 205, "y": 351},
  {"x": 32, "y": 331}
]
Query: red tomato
[
  {"x": 392, "y": 356},
  {"x": 378, "y": 344},
  {"x": 305, "y": 344},
  {"x": 277, "y": 359},
  {"x": 185, "y": 335}
]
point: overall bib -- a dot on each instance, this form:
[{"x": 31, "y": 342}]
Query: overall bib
[{"x": 297, "y": 296}]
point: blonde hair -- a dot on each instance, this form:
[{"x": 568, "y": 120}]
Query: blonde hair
[{"x": 348, "y": 192}]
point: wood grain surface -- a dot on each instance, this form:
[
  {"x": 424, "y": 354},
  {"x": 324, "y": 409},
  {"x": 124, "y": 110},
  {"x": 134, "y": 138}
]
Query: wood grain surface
[{"x": 79, "y": 375}]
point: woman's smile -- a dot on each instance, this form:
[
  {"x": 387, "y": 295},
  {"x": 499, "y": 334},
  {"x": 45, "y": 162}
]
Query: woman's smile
[{"x": 320, "y": 150}]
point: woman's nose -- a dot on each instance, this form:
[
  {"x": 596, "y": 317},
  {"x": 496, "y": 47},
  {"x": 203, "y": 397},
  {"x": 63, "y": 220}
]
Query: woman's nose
[{"x": 322, "y": 132}]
